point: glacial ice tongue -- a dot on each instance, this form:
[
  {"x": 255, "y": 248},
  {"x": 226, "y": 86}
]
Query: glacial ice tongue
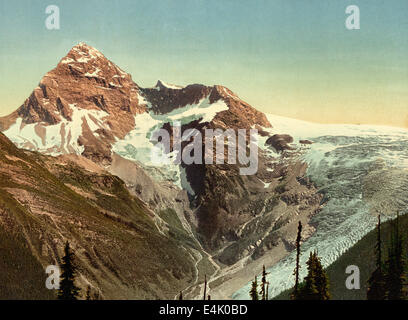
[{"x": 341, "y": 161}]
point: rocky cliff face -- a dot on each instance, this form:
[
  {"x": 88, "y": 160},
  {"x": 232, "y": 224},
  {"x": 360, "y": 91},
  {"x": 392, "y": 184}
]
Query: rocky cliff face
[{"x": 81, "y": 106}]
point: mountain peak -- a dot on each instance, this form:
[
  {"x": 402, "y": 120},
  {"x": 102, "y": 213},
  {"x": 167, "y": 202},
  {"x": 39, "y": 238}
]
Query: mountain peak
[
  {"x": 85, "y": 48},
  {"x": 84, "y": 61},
  {"x": 83, "y": 53},
  {"x": 164, "y": 85},
  {"x": 83, "y": 44},
  {"x": 86, "y": 97}
]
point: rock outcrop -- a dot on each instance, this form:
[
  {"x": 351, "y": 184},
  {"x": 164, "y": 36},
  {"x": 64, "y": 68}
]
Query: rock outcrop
[{"x": 280, "y": 142}]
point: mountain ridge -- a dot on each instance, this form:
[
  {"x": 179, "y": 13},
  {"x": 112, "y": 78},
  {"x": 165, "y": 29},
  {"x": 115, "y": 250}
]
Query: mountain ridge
[{"x": 85, "y": 84}]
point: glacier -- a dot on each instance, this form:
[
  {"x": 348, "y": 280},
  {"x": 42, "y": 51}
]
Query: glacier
[
  {"x": 339, "y": 160},
  {"x": 137, "y": 146},
  {"x": 60, "y": 138}
]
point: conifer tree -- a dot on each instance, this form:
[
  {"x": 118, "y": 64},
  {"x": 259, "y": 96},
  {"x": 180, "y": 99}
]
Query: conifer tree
[
  {"x": 254, "y": 290},
  {"x": 263, "y": 284},
  {"x": 395, "y": 279},
  {"x": 295, "y": 292},
  {"x": 316, "y": 284},
  {"x": 181, "y": 295},
  {"x": 321, "y": 279},
  {"x": 376, "y": 283},
  {"x": 309, "y": 289},
  {"x": 205, "y": 287},
  {"x": 68, "y": 290}
]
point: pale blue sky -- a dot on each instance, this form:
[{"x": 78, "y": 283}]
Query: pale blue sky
[{"x": 290, "y": 57}]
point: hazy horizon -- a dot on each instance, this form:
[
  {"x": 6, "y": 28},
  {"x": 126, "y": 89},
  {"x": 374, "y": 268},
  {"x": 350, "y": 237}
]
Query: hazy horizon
[{"x": 293, "y": 59}]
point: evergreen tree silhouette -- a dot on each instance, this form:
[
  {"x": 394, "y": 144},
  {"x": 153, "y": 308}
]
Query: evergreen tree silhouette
[
  {"x": 68, "y": 290},
  {"x": 295, "y": 292},
  {"x": 321, "y": 279},
  {"x": 263, "y": 284},
  {"x": 309, "y": 291},
  {"x": 254, "y": 290},
  {"x": 376, "y": 283},
  {"x": 316, "y": 284},
  {"x": 205, "y": 287}
]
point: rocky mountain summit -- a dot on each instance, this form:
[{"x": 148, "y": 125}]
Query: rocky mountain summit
[
  {"x": 87, "y": 102},
  {"x": 81, "y": 107}
]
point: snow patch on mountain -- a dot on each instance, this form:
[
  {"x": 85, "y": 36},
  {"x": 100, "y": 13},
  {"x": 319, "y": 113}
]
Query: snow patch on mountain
[
  {"x": 203, "y": 110},
  {"x": 184, "y": 182},
  {"x": 93, "y": 74},
  {"x": 161, "y": 83},
  {"x": 137, "y": 146},
  {"x": 57, "y": 139},
  {"x": 67, "y": 60}
]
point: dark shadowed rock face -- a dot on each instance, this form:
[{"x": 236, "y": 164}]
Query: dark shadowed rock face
[
  {"x": 165, "y": 98},
  {"x": 280, "y": 142}
]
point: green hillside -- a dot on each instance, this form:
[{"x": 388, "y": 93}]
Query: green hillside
[
  {"x": 123, "y": 250},
  {"x": 21, "y": 275}
]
